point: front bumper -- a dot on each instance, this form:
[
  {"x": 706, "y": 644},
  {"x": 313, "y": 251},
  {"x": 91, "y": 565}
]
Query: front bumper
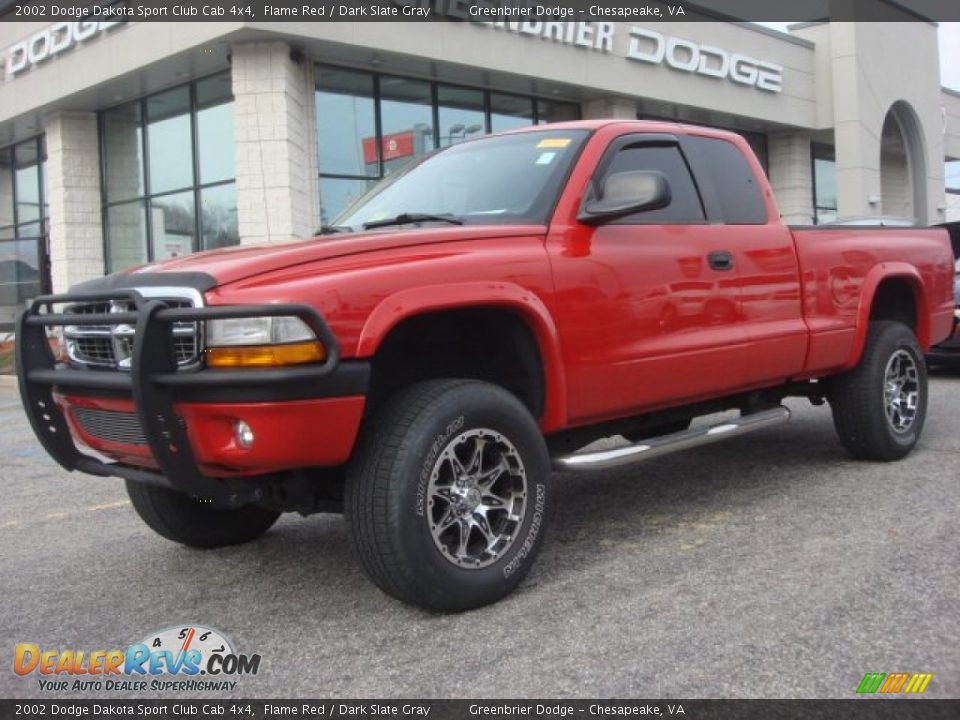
[{"x": 179, "y": 431}]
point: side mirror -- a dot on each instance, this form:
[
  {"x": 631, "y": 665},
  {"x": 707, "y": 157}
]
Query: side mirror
[{"x": 625, "y": 193}]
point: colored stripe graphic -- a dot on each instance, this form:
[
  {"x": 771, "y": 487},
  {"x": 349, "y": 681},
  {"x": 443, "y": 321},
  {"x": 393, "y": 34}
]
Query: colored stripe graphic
[
  {"x": 871, "y": 682},
  {"x": 918, "y": 683},
  {"x": 893, "y": 683}
]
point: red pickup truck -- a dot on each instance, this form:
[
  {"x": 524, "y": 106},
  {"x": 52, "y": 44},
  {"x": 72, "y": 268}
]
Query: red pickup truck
[{"x": 467, "y": 326}]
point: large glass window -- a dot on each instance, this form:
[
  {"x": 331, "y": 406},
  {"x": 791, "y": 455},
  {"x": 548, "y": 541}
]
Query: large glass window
[
  {"x": 370, "y": 125},
  {"x": 952, "y": 176},
  {"x": 165, "y": 156},
  {"x": 345, "y": 117},
  {"x": 23, "y": 219},
  {"x": 460, "y": 114},
  {"x": 824, "y": 183},
  {"x": 406, "y": 120},
  {"x": 510, "y": 111},
  {"x": 23, "y": 208}
]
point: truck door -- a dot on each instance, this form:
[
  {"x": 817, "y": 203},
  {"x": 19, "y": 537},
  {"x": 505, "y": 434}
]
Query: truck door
[
  {"x": 647, "y": 304},
  {"x": 763, "y": 252}
]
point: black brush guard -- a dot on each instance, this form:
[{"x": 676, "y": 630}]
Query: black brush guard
[{"x": 153, "y": 382}]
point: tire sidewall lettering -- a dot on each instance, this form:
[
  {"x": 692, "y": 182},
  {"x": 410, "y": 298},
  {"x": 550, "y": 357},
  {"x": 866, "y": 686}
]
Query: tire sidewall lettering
[
  {"x": 436, "y": 447},
  {"x": 533, "y": 525},
  {"x": 536, "y": 521}
]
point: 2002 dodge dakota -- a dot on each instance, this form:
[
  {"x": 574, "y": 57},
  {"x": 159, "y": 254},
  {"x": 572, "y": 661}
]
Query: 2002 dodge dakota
[{"x": 474, "y": 320}]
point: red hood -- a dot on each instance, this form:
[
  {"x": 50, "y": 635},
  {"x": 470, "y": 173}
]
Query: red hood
[{"x": 236, "y": 263}]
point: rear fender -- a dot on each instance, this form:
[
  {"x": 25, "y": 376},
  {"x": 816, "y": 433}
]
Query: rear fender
[
  {"x": 408, "y": 303},
  {"x": 872, "y": 281}
]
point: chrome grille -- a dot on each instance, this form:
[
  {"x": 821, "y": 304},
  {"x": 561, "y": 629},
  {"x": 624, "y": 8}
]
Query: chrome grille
[
  {"x": 111, "y": 346},
  {"x": 118, "y": 427}
]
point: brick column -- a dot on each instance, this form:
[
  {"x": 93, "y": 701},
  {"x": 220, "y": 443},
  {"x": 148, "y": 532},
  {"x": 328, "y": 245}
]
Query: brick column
[
  {"x": 73, "y": 186},
  {"x": 273, "y": 101},
  {"x": 791, "y": 176}
]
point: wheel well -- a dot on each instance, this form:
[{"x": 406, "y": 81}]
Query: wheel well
[
  {"x": 490, "y": 344},
  {"x": 895, "y": 300}
]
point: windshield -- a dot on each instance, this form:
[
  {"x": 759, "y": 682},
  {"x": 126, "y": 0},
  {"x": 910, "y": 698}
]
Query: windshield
[{"x": 501, "y": 179}]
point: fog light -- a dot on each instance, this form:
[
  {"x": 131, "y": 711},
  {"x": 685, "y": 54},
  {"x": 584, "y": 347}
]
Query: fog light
[{"x": 244, "y": 434}]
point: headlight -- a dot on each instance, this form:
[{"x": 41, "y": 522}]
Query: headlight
[
  {"x": 261, "y": 342},
  {"x": 257, "y": 331}
]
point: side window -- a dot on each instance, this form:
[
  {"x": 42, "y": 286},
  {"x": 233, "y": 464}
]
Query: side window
[
  {"x": 736, "y": 188},
  {"x": 685, "y": 205}
]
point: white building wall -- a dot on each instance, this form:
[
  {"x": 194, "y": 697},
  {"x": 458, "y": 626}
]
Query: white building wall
[
  {"x": 272, "y": 102},
  {"x": 73, "y": 181},
  {"x": 791, "y": 176},
  {"x": 866, "y": 77}
]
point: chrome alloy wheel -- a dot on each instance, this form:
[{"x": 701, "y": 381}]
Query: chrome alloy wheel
[
  {"x": 476, "y": 498},
  {"x": 901, "y": 391}
]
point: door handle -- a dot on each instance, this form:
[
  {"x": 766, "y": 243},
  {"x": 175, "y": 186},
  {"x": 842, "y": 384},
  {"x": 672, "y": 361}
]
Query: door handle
[{"x": 720, "y": 260}]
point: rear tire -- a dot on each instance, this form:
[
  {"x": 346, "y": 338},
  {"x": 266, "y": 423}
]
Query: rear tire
[
  {"x": 448, "y": 495},
  {"x": 880, "y": 406},
  {"x": 186, "y": 520}
]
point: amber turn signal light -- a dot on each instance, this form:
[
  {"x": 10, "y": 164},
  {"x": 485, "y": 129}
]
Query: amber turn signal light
[{"x": 265, "y": 355}]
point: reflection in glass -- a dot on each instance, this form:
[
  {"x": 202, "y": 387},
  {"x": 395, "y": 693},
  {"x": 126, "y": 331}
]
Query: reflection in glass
[
  {"x": 123, "y": 152},
  {"x": 406, "y": 117},
  {"x": 952, "y": 175},
  {"x": 6, "y": 188},
  {"x": 19, "y": 276},
  {"x": 126, "y": 236},
  {"x": 510, "y": 111},
  {"x": 169, "y": 142},
  {"x": 337, "y": 193},
  {"x": 345, "y": 116},
  {"x": 215, "y": 143},
  {"x": 172, "y": 225},
  {"x": 28, "y": 193},
  {"x": 44, "y": 186},
  {"x": 550, "y": 111},
  {"x": 218, "y": 216},
  {"x": 214, "y": 91},
  {"x": 29, "y": 230},
  {"x": 825, "y": 186},
  {"x": 460, "y": 114}
]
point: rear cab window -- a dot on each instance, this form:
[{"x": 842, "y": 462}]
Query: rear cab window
[{"x": 730, "y": 187}]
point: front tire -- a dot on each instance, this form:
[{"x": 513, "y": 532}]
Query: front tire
[
  {"x": 880, "y": 406},
  {"x": 186, "y": 520},
  {"x": 448, "y": 495}
]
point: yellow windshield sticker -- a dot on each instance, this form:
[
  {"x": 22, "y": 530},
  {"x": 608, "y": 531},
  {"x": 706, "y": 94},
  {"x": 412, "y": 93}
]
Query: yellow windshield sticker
[{"x": 553, "y": 143}]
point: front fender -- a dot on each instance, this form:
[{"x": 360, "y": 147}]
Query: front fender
[{"x": 407, "y": 303}]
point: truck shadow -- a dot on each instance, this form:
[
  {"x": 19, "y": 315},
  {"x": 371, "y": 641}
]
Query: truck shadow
[
  {"x": 595, "y": 514},
  {"x": 662, "y": 510}
]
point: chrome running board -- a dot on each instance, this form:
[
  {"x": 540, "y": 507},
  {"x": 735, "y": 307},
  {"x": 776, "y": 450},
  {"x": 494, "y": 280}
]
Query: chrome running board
[{"x": 674, "y": 442}]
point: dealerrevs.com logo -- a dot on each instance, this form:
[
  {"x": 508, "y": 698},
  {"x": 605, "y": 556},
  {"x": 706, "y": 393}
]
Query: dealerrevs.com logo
[{"x": 178, "y": 659}]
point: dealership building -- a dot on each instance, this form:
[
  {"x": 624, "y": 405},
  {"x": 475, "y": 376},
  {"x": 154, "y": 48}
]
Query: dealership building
[{"x": 123, "y": 142}]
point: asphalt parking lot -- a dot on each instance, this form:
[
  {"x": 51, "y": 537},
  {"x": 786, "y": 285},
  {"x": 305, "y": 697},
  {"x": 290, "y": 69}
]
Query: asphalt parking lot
[{"x": 768, "y": 566}]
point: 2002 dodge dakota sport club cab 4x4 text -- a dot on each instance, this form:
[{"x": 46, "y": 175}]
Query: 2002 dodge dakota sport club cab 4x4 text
[{"x": 474, "y": 321}]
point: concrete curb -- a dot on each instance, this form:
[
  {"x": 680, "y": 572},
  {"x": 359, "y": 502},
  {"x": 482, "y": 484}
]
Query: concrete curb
[{"x": 8, "y": 381}]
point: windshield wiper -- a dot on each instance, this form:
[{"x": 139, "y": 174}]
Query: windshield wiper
[
  {"x": 333, "y": 229},
  {"x": 404, "y": 218}
]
